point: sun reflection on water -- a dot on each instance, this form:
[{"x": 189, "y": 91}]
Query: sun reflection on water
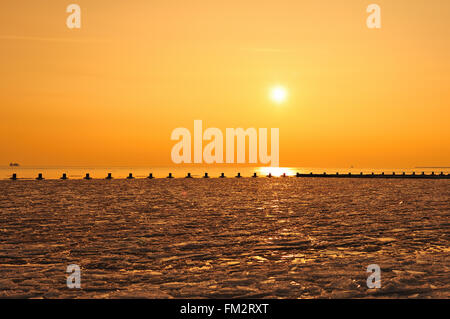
[{"x": 275, "y": 171}]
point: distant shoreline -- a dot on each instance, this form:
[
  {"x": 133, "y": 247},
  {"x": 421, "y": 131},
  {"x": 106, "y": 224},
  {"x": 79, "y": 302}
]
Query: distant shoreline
[{"x": 432, "y": 167}]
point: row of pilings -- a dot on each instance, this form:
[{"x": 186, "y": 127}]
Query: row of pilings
[{"x": 413, "y": 175}]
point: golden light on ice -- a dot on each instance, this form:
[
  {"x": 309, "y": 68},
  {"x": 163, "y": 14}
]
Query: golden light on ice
[{"x": 278, "y": 94}]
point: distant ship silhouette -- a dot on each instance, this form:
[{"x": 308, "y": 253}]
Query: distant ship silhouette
[{"x": 14, "y": 164}]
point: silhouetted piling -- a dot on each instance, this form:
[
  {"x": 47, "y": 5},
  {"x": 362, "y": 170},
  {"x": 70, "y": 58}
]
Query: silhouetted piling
[
  {"x": 14, "y": 177},
  {"x": 432, "y": 175}
]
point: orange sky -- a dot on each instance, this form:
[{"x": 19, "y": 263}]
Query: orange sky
[{"x": 112, "y": 92}]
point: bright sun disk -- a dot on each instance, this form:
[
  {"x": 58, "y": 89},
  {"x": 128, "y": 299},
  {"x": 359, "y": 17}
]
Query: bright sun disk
[{"x": 278, "y": 94}]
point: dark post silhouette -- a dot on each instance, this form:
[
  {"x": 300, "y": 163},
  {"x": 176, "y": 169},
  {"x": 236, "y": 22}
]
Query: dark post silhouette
[
  {"x": 170, "y": 175},
  {"x": 222, "y": 175},
  {"x": 14, "y": 177},
  {"x": 270, "y": 175},
  {"x": 109, "y": 176},
  {"x": 130, "y": 176},
  {"x": 298, "y": 174},
  {"x": 87, "y": 177},
  {"x": 188, "y": 175},
  {"x": 206, "y": 175},
  {"x": 254, "y": 175},
  {"x": 39, "y": 178},
  {"x": 64, "y": 176},
  {"x": 150, "y": 176},
  {"x": 238, "y": 175},
  {"x": 284, "y": 174}
]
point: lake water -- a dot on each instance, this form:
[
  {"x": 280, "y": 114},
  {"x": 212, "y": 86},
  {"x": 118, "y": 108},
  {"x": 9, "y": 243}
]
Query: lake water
[{"x": 24, "y": 172}]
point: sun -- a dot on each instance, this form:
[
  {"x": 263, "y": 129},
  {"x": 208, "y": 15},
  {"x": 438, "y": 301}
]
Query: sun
[{"x": 278, "y": 94}]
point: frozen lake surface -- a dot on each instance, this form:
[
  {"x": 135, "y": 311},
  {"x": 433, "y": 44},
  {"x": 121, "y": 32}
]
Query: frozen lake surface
[{"x": 225, "y": 238}]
